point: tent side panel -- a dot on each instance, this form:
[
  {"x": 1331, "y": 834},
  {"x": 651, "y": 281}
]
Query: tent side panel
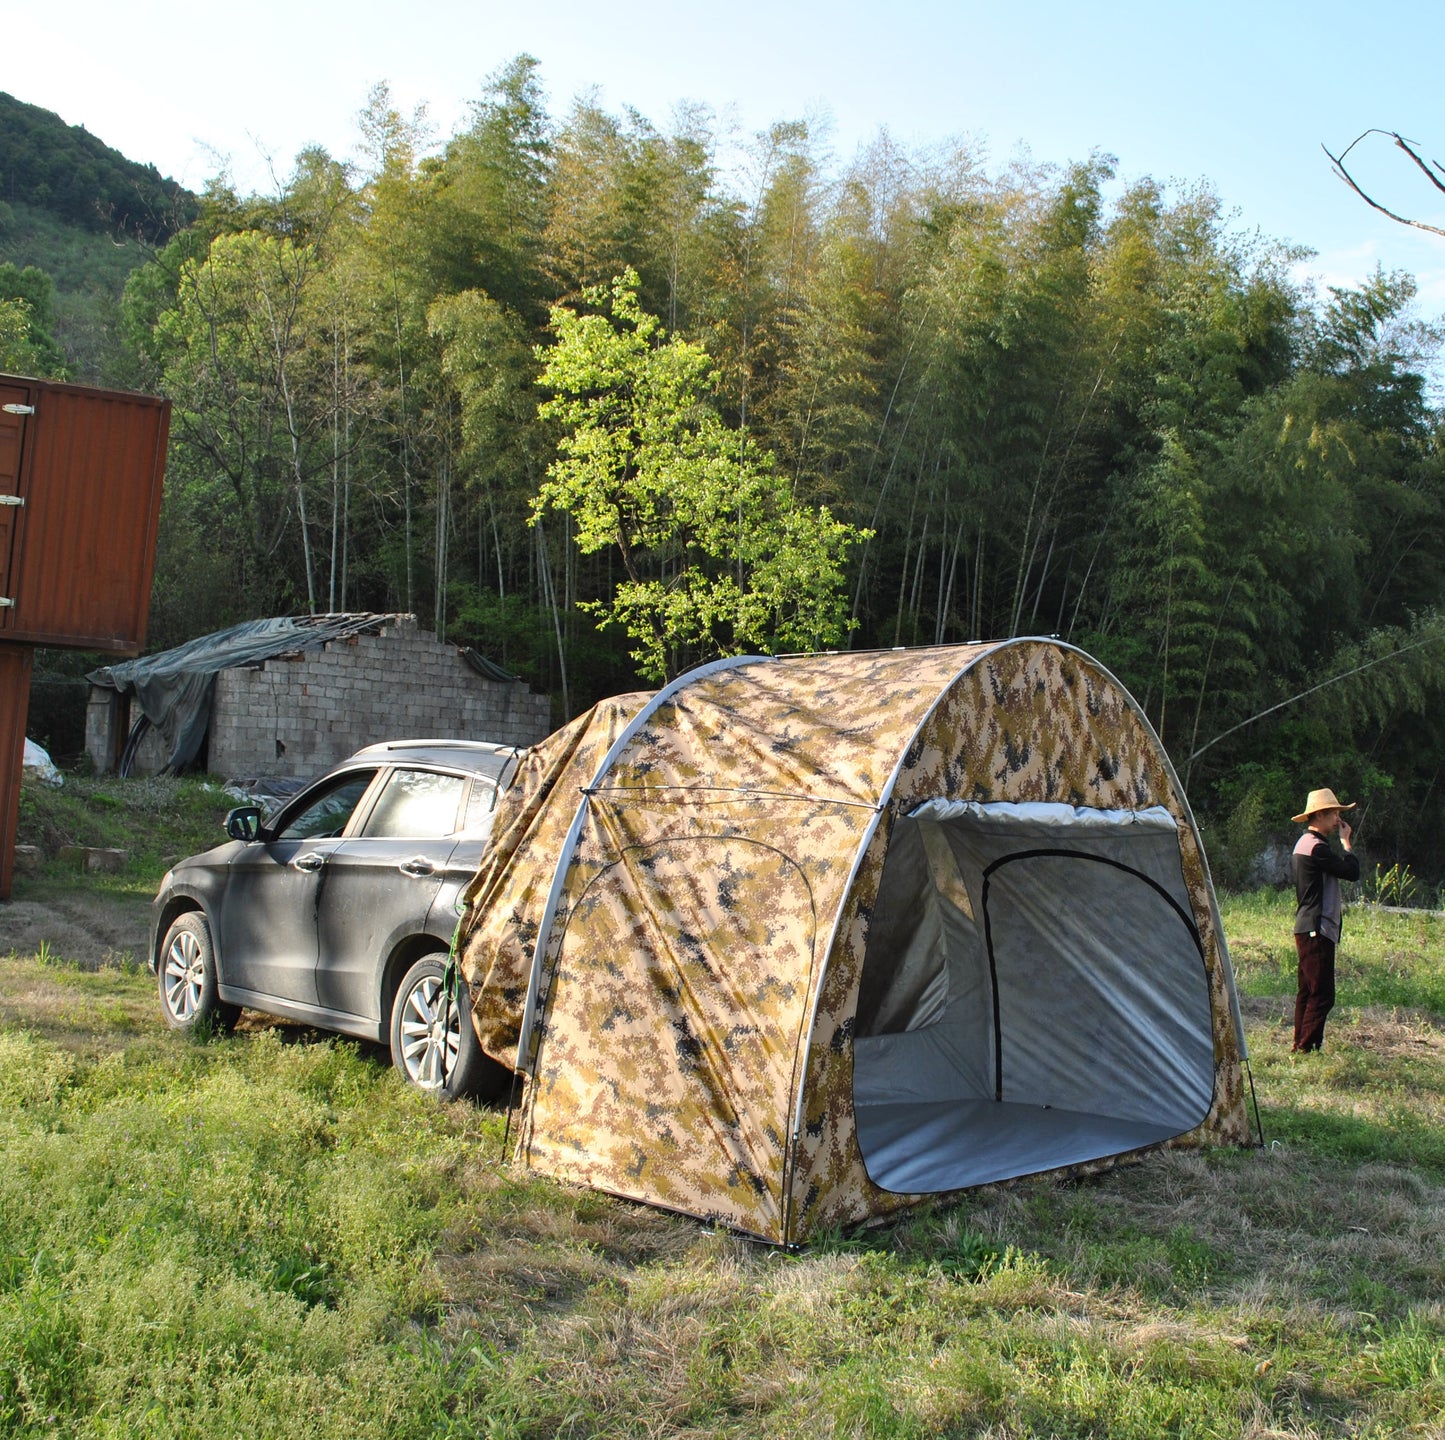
[
  {"x": 1228, "y": 1120},
  {"x": 826, "y": 730},
  {"x": 1030, "y": 721},
  {"x": 506, "y": 899},
  {"x": 669, "y": 1043}
]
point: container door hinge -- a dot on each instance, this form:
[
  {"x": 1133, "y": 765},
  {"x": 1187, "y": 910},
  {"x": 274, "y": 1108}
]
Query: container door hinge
[
  {"x": 18, "y": 409},
  {"x": 6, "y": 602},
  {"x": 12, "y": 499}
]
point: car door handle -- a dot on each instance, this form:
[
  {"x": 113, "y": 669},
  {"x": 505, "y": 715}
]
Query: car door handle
[
  {"x": 417, "y": 865},
  {"x": 311, "y": 860}
]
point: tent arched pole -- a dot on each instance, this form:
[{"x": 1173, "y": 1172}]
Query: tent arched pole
[
  {"x": 867, "y": 840},
  {"x": 574, "y": 831}
]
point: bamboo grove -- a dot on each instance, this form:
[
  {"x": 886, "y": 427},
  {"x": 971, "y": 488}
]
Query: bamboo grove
[{"x": 1045, "y": 401}]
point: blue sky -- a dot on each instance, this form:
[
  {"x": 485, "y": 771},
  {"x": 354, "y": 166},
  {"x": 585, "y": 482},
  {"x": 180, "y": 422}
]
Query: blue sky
[{"x": 1239, "y": 95}]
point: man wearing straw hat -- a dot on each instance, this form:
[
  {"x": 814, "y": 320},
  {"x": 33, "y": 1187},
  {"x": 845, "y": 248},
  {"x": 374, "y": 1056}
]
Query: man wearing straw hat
[{"x": 1318, "y": 870}]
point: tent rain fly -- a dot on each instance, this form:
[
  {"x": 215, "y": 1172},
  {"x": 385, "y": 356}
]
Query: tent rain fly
[{"x": 797, "y": 941}]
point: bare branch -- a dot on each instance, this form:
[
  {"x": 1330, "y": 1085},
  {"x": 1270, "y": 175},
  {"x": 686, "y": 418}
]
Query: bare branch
[
  {"x": 1430, "y": 175},
  {"x": 1436, "y": 180}
]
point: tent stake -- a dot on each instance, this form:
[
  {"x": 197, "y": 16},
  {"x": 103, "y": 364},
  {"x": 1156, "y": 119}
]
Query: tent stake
[{"x": 1254, "y": 1099}]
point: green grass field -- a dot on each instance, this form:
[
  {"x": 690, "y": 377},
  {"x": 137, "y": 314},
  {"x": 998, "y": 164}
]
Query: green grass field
[{"x": 269, "y": 1234}]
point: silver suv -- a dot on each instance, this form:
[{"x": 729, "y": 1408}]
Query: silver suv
[{"x": 339, "y": 910}]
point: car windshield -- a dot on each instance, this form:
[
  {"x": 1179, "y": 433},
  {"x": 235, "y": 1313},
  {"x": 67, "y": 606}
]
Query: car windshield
[
  {"x": 414, "y": 804},
  {"x": 326, "y": 813}
]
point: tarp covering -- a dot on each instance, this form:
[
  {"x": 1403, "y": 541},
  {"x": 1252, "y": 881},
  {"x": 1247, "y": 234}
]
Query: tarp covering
[
  {"x": 487, "y": 669},
  {"x": 37, "y": 761},
  {"x": 174, "y": 688},
  {"x": 730, "y": 899}
]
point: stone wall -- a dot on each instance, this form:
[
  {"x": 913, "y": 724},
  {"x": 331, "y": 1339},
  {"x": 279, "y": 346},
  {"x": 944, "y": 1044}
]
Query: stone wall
[
  {"x": 105, "y": 719},
  {"x": 108, "y": 718},
  {"x": 300, "y": 714}
]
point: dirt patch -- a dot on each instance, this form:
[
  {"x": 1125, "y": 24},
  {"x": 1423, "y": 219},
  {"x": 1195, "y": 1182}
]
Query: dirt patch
[
  {"x": 72, "y": 968},
  {"x": 1378, "y": 1026},
  {"x": 1398, "y": 1034},
  {"x": 1267, "y": 1009},
  {"x": 86, "y": 929},
  {"x": 91, "y": 988}
]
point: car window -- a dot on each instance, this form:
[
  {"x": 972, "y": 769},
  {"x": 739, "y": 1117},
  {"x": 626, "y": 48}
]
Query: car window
[
  {"x": 480, "y": 804},
  {"x": 326, "y": 812},
  {"x": 414, "y": 804}
]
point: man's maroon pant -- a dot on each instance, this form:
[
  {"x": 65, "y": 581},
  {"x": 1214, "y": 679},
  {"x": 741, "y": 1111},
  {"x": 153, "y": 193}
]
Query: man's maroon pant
[{"x": 1316, "y": 994}]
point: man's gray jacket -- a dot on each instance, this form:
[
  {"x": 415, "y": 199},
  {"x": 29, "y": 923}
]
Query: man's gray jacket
[{"x": 1318, "y": 870}]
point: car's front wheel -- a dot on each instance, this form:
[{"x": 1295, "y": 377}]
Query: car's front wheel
[
  {"x": 432, "y": 1041},
  {"x": 186, "y": 977}
]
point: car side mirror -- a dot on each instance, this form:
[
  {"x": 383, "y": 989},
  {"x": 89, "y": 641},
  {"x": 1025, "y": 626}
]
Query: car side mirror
[{"x": 244, "y": 823}]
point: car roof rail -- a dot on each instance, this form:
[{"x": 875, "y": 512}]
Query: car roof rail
[{"x": 489, "y": 746}]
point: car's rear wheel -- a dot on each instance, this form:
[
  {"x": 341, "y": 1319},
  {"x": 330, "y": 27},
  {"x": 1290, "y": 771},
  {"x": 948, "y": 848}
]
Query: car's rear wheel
[
  {"x": 433, "y": 1043},
  {"x": 186, "y": 978}
]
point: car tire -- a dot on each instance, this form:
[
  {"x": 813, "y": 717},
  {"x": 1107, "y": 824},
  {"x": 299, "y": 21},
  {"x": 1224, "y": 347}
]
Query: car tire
[
  {"x": 186, "y": 978},
  {"x": 417, "y": 1049}
]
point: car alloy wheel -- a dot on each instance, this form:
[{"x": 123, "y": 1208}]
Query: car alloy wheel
[
  {"x": 183, "y": 976},
  {"x": 431, "y": 1033},
  {"x": 186, "y": 977},
  {"x": 433, "y": 1043}
]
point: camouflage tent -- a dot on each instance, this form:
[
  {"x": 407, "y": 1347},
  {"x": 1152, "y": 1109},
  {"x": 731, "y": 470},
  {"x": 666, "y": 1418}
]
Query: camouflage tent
[{"x": 795, "y": 942}]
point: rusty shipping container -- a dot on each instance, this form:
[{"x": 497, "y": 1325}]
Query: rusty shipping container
[
  {"x": 15, "y": 661},
  {"x": 80, "y": 487},
  {"x": 80, "y": 498}
]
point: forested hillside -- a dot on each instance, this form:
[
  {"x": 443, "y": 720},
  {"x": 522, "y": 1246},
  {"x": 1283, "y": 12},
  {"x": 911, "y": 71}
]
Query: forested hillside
[
  {"x": 1046, "y": 403},
  {"x": 76, "y": 217},
  {"x": 49, "y": 165}
]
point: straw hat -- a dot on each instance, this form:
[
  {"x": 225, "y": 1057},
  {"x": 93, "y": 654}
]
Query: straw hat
[{"x": 1320, "y": 800}]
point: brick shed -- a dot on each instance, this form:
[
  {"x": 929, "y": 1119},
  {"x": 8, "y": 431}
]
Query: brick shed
[{"x": 299, "y": 696}]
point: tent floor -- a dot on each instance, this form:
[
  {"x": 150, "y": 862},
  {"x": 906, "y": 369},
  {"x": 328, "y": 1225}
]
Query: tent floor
[{"x": 923, "y": 1147}]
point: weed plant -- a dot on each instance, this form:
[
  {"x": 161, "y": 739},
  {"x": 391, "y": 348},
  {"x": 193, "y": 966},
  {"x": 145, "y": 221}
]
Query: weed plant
[
  {"x": 267, "y": 1234},
  {"x": 1395, "y": 885}
]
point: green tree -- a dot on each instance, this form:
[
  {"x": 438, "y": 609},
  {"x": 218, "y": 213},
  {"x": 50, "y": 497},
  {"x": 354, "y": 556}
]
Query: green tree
[
  {"x": 26, "y": 315},
  {"x": 488, "y": 195},
  {"x": 718, "y": 558},
  {"x": 18, "y": 354},
  {"x": 238, "y": 365}
]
